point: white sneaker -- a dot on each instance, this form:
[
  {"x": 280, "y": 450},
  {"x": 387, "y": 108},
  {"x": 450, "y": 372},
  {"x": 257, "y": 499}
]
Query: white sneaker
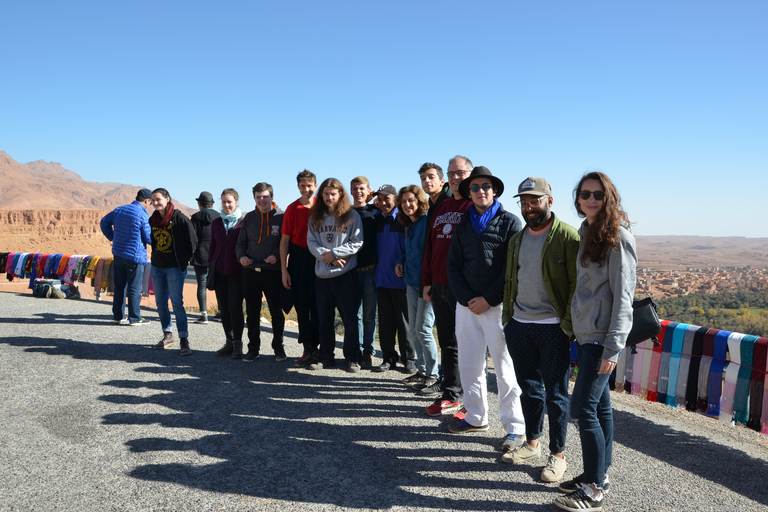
[{"x": 554, "y": 470}]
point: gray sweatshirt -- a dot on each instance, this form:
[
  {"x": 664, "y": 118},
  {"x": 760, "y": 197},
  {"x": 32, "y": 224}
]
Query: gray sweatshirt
[
  {"x": 342, "y": 241},
  {"x": 602, "y": 303}
]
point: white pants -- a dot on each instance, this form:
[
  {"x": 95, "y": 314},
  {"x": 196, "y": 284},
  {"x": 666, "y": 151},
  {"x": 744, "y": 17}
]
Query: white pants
[{"x": 474, "y": 333}]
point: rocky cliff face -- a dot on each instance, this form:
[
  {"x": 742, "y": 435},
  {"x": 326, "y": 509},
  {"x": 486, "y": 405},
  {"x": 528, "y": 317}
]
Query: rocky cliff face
[{"x": 53, "y": 231}]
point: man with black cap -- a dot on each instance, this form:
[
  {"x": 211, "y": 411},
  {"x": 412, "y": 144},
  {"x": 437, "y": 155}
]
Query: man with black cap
[
  {"x": 127, "y": 227},
  {"x": 390, "y": 288},
  {"x": 201, "y": 221},
  {"x": 476, "y": 261},
  {"x": 539, "y": 285}
]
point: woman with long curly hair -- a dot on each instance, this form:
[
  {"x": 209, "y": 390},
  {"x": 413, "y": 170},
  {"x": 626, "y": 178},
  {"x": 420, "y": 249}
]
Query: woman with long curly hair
[
  {"x": 601, "y": 310},
  {"x": 334, "y": 237}
]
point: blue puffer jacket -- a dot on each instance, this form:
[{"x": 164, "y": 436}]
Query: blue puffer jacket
[
  {"x": 127, "y": 227},
  {"x": 390, "y": 246},
  {"x": 415, "y": 235}
]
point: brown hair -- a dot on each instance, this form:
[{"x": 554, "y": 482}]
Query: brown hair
[
  {"x": 306, "y": 175},
  {"x": 421, "y": 198},
  {"x": 342, "y": 211},
  {"x": 230, "y": 192},
  {"x": 603, "y": 234}
]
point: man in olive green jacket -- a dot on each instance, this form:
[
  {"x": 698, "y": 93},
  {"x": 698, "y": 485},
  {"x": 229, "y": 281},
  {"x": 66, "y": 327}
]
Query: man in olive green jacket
[{"x": 536, "y": 313}]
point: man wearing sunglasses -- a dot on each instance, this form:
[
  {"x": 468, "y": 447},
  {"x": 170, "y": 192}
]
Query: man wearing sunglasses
[
  {"x": 476, "y": 261},
  {"x": 539, "y": 284}
]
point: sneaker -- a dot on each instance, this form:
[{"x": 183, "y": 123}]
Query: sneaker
[
  {"x": 122, "y": 321},
  {"x": 202, "y": 320},
  {"x": 304, "y": 360},
  {"x": 462, "y": 427},
  {"x": 366, "y": 361},
  {"x": 165, "y": 342},
  {"x": 554, "y": 470},
  {"x": 427, "y": 382},
  {"x": 140, "y": 321},
  {"x": 409, "y": 367},
  {"x": 440, "y": 407},
  {"x": 322, "y": 365},
  {"x": 522, "y": 454},
  {"x": 512, "y": 442},
  {"x": 353, "y": 366},
  {"x": 462, "y": 414},
  {"x": 251, "y": 356},
  {"x": 582, "y": 500},
  {"x": 279, "y": 358},
  {"x": 433, "y": 389},
  {"x": 576, "y": 484},
  {"x": 383, "y": 367},
  {"x": 413, "y": 379}
]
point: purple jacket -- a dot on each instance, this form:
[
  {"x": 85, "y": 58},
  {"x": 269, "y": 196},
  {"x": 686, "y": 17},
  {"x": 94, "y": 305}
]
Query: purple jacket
[{"x": 227, "y": 262}]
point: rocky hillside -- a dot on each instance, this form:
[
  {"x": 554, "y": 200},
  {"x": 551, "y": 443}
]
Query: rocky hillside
[{"x": 53, "y": 231}]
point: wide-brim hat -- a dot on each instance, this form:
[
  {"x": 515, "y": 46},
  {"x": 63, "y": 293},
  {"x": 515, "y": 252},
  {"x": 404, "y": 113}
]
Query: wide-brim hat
[{"x": 481, "y": 172}]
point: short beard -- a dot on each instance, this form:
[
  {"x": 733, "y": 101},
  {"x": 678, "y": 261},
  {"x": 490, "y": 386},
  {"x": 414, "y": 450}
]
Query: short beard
[{"x": 540, "y": 220}]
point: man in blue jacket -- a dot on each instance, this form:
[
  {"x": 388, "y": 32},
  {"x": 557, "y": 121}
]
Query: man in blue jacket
[{"x": 127, "y": 227}]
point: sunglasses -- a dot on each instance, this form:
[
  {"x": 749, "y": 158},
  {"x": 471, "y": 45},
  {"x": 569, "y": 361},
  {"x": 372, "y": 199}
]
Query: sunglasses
[
  {"x": 476, "y": 188},
  {"x": 585, "y": 194}
]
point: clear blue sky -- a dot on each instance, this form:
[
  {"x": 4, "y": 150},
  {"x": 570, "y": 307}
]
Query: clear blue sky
[{"x": 667, "y": 98}]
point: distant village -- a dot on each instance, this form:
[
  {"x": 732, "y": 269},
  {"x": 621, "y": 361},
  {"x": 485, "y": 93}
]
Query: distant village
[{"x": 679, "y": 283}]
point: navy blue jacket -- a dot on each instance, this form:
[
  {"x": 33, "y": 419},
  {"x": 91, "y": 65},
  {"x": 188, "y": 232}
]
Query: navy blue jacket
[
  {"x": 390, "y": 247},
  {"x": 127, "y": 227}
]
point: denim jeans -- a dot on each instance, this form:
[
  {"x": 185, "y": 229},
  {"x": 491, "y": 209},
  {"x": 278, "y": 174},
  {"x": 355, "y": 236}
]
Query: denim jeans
[
  {"x": 128, "y": 278},
  {"x": 169, "y": 283},
  {"x": 541, "y": 354},
  {"x": 421, "y": 320},
  {"x": 591, "y": 408},
  {"x": 366, "y": 315}
]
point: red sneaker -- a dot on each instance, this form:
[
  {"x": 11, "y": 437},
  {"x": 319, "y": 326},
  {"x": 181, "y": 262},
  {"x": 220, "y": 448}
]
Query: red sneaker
[
  {"x": 440, "y": 407},
  {"x": 462, "y": 414}
]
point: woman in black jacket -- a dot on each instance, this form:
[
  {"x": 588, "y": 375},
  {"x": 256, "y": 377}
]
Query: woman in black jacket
[{"x": 173, "y": 244}]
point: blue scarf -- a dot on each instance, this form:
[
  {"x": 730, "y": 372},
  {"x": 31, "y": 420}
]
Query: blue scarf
[
  {"x": 231, "y": 219},
  {"x": 480, "y": 222}
]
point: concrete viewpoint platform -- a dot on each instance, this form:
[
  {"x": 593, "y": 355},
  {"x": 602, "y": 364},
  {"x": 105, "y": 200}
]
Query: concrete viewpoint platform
[{"x": 92, "y": 419}]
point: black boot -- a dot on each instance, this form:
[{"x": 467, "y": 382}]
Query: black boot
[
  {"x": 226, "y": 350},
  {"x": 237, "y": 350},
  {"x": 184, "y": 347}
]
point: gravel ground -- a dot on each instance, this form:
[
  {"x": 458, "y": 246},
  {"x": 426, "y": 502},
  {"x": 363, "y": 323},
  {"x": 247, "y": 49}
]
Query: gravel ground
[{"x": 93, "y": 419}]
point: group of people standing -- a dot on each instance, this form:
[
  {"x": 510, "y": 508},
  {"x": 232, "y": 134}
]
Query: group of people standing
[{"x": 444, "y": 255}]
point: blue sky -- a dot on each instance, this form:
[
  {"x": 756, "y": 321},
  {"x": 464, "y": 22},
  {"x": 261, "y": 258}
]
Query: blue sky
[{"x": 667, "y": 98}]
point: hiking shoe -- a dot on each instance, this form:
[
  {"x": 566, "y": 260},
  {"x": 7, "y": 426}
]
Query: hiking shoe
[
  {"x": 577, "y": 482},
  {"x": 409, "y": 367},
  {"x": 122, "y": 321},
  {"x": 440, "y": 407},
  {"x": 279, "y": 358},
  {"x": 184, "y": 349},
  {"x": 433, "y": 389},
  {"x": 413, "y": 379},
  {"x": 462, "y": 427},
  {"x": 461, "y": 414},
  {"x": 554, "y": 470},
  {"x": 140, "y": 321},
  {"x": 322, "y": 365},
  {"x": 582, "y": 500},
  {"x": 366, "y": 361},
  {"x": 250, "y": 357},
  {"x": 512, "y": 442},
  {"x": 165, "y": 342},
  {"x": 353, "y": 366},
  {"x": 202, "y": 320},
  {"x": 383, "y": 367},
  {"x": 522, "y": 454}
]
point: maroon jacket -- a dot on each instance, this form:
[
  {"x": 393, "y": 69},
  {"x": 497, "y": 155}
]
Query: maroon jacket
[
  {"x": 443, "y": 222},
  {"x": 227, "y": 262}
]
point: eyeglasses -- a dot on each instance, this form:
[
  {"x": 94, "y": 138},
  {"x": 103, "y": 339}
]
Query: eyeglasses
[
  {"x": 476, "y": 188},
  {"x": 585, "y": 194},
  {"x": 526, "y": 204},
  {"x": 456, "y": 174}
]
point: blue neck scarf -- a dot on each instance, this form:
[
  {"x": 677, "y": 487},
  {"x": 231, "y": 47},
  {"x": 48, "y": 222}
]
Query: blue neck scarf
[
  {"x": 480, "y": 222},
  {"x": 231, "y": 219}
]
